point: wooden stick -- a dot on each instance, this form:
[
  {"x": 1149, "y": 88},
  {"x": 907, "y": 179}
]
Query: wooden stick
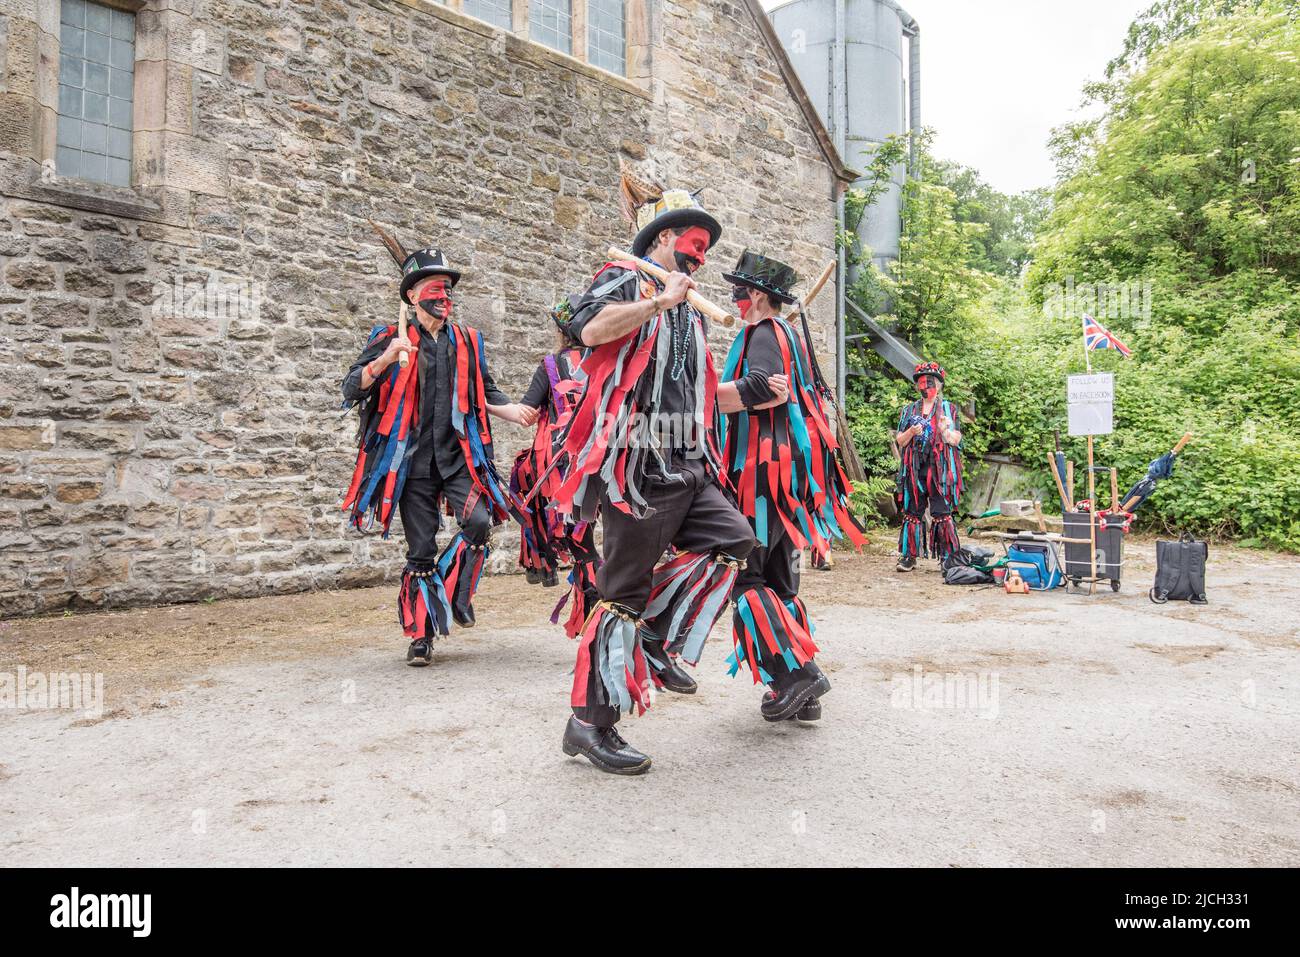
[
  {"x": 1114, "y": 489},
  {"x": 716, "y": 313},
  {"x": 1092, "y": 520},
  {"x": 1036, "y": 536},
  {"x": 812, "y": 293},
  {"x": 403, "y": 359},
  {"x": 1038, "y": 513},
  {"x": 1069, "y": 484},
  {"x": 1051, "y": 467}
]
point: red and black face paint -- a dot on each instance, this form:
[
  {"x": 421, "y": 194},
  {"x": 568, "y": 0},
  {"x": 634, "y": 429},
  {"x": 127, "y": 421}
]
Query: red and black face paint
[
  {"x": 928, "y": 385},
  {"x": 740, "y": 296},
  {"x": 435, "y": 299},
  {"x": 690, "y": 247}
]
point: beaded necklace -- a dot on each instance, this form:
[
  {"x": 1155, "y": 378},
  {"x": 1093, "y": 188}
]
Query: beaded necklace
[
  {"x": 679, "y": 331},
  {"x": 680, "y": 340}
]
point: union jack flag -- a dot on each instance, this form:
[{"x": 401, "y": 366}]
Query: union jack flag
[{"x": 1097, "y": 336}]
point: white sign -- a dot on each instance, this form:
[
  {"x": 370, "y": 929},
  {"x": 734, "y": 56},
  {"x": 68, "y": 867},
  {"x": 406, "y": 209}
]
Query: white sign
[{"x": 1092, "y": 399}]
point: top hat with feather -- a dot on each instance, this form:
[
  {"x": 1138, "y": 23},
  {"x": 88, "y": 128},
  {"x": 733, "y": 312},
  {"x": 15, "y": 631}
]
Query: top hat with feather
[
  {"x": 653, "y": 209},
  {"x": 417, "y": 265}
]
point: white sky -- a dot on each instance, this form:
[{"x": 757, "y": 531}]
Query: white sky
[{"x": 997, "y": 75}]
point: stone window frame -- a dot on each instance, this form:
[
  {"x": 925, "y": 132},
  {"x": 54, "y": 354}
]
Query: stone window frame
[
  {"x": 637, "y": 16},
  {"x": 165, "y": 154}
]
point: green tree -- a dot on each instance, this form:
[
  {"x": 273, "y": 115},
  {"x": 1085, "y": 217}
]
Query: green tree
[{"x": 1190, "y": 185}]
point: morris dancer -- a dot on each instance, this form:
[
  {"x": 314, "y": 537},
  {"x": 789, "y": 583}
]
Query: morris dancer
[
  {"x": 781, "y": 457},
  {"x": 546, "y": 538},
  {"x": 642, "y": 448},
  {"x": 425, "y": 437},
  {"x": 929, "y": 470}
]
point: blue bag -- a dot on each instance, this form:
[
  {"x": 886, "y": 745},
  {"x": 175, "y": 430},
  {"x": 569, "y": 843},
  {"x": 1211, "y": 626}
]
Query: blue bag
[{"x": 1036, "y": 562}]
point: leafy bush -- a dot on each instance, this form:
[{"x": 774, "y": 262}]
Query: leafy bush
[{"x": 1189, "y": 189}]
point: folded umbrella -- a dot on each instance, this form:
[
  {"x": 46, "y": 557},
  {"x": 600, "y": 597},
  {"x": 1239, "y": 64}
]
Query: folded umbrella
[{"x": 1161, "y": 468}]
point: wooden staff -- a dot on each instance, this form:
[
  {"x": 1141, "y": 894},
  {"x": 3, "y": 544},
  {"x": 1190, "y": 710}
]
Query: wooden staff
[
  {"x": 1069, "y": 484},
  {"x": 849, "y": 458},
  {"x": 1114, "y": 489},
  {"x": 402, "y": 359},
  {"x": 715, "y": 313},
  {"x": 1092, "y": 521},
  {"x": 1051, "y": 467},
  {"x": 1033, "y": 536},
  {"x": 812, "y": 293}
]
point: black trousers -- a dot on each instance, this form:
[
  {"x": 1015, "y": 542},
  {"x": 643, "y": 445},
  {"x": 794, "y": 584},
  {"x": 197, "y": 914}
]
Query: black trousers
[
  {"x": 938, "y": 507},
  {"x": 775, "y": 565},
  {"x": 693, "y": 515},
  {"x": 422, "y": 518}
]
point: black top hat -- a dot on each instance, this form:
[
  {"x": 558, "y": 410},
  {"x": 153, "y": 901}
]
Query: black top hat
[
  {"x": 675, "y": 209},
  {"x": 422, "y": 263},
  {"x": 929, "y": 368},
  {"x": 765, "y": 274}
]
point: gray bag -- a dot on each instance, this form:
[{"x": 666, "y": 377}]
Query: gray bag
[{"x": 1180, "y": 571}]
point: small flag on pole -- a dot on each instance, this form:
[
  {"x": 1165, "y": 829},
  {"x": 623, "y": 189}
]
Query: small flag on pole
[{"x": 1097, "y": 336}]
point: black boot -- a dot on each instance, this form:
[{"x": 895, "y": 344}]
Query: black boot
[
  {"x": 420, "y": 653},
  {"x": 905, "y": 564},
  {"x": 786, "y": 701},
  {"x": 823, "y": 683},
  {"x": 603, "y": 747},
  {"x": 550, "y": 578},
  {"x": 463, "y": 615},
  {"x": 532, "y": 576},
  {"x": 675, "y": 678},
  {"x": 811, "y": 711}
]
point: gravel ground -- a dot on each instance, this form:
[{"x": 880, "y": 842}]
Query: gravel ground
[{"x": 1099, "y": 730}]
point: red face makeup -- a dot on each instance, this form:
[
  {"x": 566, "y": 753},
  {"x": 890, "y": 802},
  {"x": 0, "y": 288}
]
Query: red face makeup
[
  {"x": 690, "y": 248},
  {"x": 435, "y": 299},
  {"x": 928, "y": 385},
  {"x": 740, "y": 296}
]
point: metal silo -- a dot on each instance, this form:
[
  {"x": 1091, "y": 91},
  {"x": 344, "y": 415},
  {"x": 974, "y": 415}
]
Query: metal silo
[{"x": 860, "y": 62}]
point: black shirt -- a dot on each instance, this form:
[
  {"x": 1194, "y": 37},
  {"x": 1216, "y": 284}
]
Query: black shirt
[
  {"x": 437, "y": 443},
  {"x": 763, "y": 356},
  {"x": 681, "y": 373}
]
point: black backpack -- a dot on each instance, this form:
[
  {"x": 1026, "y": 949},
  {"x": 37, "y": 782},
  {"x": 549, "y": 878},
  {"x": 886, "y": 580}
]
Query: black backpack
[{"x": 1180, "y": 571}]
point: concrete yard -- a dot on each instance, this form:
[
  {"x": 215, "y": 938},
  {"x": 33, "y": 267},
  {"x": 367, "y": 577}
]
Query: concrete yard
[{"x": 1108, "y": 731}]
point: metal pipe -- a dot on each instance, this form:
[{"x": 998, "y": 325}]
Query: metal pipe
[{"x": 840, "y": 118}]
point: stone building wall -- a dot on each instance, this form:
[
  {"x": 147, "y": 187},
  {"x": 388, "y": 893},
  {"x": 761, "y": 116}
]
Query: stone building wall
[{"x": 170, "y": 355}]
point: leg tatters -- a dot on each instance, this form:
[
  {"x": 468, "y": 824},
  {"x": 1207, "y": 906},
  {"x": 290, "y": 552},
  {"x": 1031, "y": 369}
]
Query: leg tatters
[
  {"x": 422, "y": 606},
  {"x": 611, "y": 648},
  {"x": 461, "y": 566},
  {"x": 688, "y": 595},
  {"x": 911, "y": 537},
  {"x": 768, "y": 636},
  {"x": 943, "y": 537}
]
